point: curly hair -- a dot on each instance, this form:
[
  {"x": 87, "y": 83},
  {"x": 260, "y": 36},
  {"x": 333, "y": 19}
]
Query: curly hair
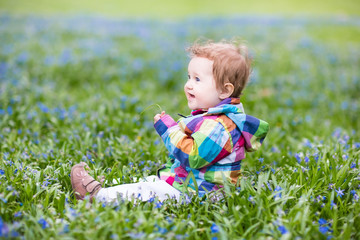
[{"x": 231, "y": 62}]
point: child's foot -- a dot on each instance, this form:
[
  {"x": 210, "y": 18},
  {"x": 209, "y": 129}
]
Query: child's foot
[{"x": 82, "y": 183}]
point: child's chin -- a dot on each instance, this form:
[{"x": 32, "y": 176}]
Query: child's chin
[{"x": 192, "y": 108}]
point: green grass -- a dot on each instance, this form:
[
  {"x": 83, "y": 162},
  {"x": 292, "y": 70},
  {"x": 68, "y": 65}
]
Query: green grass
[
  {"x": 336, "y": 34},
  {"x": 179, "y": 9},
  {"x": 78, "y": 90}
]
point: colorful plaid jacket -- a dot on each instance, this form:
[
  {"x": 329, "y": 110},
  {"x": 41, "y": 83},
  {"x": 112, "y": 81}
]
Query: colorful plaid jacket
[{"x": 210, "y": 144}]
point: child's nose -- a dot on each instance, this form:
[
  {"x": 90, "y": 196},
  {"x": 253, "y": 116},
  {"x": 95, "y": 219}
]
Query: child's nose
[{"x": 188, "y": 84}]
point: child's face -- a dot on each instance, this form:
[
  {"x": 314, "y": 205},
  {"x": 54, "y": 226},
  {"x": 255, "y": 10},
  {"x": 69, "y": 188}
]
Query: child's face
[{"x": 200, "y": 89}]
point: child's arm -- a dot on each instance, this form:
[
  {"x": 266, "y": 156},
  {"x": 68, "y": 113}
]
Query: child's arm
[
  {"x": 209, "y": 144},
  {"x": 253, "y": 130}
]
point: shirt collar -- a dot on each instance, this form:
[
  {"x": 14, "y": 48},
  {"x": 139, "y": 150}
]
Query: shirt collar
[{"x": 232, "y": 101}]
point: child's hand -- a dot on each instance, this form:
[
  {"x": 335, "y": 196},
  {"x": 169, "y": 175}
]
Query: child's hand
[{"x": 158, "y": 116}]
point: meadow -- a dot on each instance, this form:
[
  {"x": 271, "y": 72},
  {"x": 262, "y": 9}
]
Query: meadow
[
  {"x": 86, "y": 89},
  {"x": 161, "y": 9}
]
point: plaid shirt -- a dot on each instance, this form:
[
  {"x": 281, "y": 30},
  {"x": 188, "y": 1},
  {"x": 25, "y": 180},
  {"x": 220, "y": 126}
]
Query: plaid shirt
[{"x": 210, "y": 144}]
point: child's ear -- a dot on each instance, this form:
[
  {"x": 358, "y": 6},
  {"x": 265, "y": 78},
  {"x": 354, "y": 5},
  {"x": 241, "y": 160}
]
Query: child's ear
[{"x": 226, "y": 91}]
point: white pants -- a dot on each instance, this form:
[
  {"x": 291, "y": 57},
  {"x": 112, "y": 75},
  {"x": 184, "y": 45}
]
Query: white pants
[{"x": 144, "y": 190}]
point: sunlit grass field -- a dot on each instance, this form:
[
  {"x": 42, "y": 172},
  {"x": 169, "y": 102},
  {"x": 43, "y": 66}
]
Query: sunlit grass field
[
  {"x": 86, "y": 88},
  {"x": 161, "y": 9}
]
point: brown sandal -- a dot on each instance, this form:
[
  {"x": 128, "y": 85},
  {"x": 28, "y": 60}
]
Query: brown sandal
[{"x": 82, "y": 183}]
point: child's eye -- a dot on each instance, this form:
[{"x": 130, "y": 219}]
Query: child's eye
[
  {"x": 197, "y": 79},
  {"x": 188, "y": 76}
]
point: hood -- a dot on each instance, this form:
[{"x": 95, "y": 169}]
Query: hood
[{"x": 253, "y": 130}]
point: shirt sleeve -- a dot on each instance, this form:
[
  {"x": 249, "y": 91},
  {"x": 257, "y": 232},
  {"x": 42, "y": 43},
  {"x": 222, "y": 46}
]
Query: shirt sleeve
[
  {"x": 254, "y": 132},
  {"x": 209, "y": 144}
]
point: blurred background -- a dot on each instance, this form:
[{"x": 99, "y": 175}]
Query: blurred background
[
  {"x": 93, "y": 55},
  {"x": 85, "y": 58},
  {"x": 185, "y": 8}
]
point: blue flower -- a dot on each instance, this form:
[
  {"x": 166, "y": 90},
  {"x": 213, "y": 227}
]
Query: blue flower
[
  {"x": 337, "y": 133},
  {"x": 278, "y": 194},
  {"x": 321, "y": 198},
  {"x": 353, "y": 165},
  {"x": 22, "y": 57},
  {"x": 4, "y": 230},
  {"x": 339, "y": 192},
  {"x": 323, "y": 229},
  {"x": 45, "y": 183},
  {"x": 306, "y": 159},
  {"x": 298, "y": 158},
  {"x": 66, "y": 228},
  {"x": 251, "y": 199},
  {"x": 18, "y": 214},
  {"x": 2, "y": 172},
  {"x": 43, "y": 223},
  {"x": 139, "y": 235},
  {"x": 114, "y": 236},
  {"x": 282, "y": 229},
  {"x": 214, "y": 228},
  {"x": 158, "y": 205},
  {"x": 322, "y": 221},
  {"x": 3, "y": 69},
  {"x": 332, "y": 204},
  {"x": 161, "y": 230},
  {"x": 261, "y": 160},
  {"x": 275, "y": 150},
  {"x": 10, "y": 110},
  {"x": 65, "y": 56},
  {"x": 356, "y": 197},
  {"x": 43, "y": 108},
  {"x": 14, "y": 234}
]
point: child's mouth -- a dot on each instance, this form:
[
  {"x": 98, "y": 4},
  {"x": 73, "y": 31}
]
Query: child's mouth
[{"x": 191, "y": 95}]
